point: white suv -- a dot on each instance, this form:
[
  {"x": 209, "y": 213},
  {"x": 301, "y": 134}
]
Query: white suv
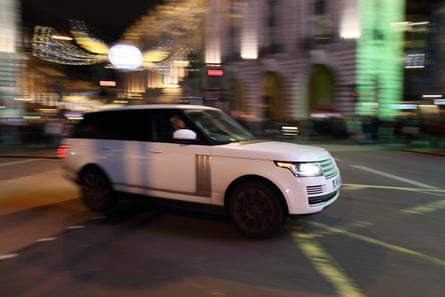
[{"x": 210, "y": 159}]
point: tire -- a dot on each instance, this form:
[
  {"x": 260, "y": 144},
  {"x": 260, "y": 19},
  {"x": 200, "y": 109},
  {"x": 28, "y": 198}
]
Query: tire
[
  {"x": 96, "y": 189},
  {"x": 255, "y": 209}
]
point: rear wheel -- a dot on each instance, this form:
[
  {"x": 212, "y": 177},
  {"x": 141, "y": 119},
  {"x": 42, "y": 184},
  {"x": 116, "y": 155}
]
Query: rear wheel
[
  {"x": 97, "y": 192},
  {"x": 255, "y": 209}
]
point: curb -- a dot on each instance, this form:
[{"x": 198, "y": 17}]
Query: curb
[
  {"x": 433, "y": 153},
  {"x": 50, "y": 153}
]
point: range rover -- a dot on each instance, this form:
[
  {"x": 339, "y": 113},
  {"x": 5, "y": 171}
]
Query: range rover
[{"x": 208, "y": 159}]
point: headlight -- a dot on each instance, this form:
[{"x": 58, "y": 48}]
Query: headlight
[{"x": 301, "y": 169}]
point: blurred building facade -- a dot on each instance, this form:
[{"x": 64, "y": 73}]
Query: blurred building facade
[
  {"x": 423, "y": 52},
  {"x": 276, "y": 60},
  {"x": 281, "y": 60},
  {"x": 291, "y": 59}
]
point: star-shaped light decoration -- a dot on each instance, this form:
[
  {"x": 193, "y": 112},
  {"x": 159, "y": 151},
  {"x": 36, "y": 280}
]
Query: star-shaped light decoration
[
  {"x": 164, "y": 36},
  {"x": 83, "y": 48},
  {"x": 52, "y": 47}
]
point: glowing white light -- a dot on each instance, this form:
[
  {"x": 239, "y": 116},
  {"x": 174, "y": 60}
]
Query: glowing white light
[
  {"x": 350, "y": 25},
  {"x": 124, "y": 56},
  {"x": 61, "y": 37},
  {"x": 8, "y": 26},
  {"x": 214, "y": 33},
  {"x": 249, "y": 33},
  {"x": 431, "y": 96}
]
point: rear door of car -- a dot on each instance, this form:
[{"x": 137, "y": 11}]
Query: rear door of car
[{"x": 121, "y": 148}]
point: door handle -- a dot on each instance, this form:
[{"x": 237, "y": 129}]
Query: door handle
[{"x": 155, "y": 151}]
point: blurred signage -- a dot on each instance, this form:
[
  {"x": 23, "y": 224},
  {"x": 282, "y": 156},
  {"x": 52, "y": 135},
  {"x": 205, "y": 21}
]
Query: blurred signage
[
  {"x": 406, "y": 106},
  {"x": 107, "y": 83},
  {"x": 215, "y": 72}
]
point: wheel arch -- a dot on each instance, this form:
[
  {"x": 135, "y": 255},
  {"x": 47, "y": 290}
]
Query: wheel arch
[{"x": 258, "y": 178}]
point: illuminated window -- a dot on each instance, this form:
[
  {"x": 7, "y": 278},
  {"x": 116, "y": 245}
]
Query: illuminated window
[
  {"x": 321, "y": 25},
  {"x": 272, "y": 19}
]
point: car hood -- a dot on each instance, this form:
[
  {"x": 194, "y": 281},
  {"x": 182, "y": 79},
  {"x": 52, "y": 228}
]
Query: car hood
[{"x": 272, "y": 150}]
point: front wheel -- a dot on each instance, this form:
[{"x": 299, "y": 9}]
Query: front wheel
[
  {"x": 255, "y": 209},
  {"x": 97, "y": 193}
]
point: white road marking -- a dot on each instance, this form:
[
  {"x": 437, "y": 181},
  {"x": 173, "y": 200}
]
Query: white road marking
[
  {"x": 18, "y": 162},
  {"x": 409, "y": 181},
  {"x": 46, "y": 239},
  {"x": 74, "y": 227},
  {"x": 8, "y": 256},
  {"x": 98, "y": 218}
]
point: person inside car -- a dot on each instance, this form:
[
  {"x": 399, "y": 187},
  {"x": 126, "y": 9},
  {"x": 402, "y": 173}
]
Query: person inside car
[{"x": 177, "y": 123}]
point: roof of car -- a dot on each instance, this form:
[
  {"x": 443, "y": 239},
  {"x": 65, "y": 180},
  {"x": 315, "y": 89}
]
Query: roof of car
[{"x": 156, "y": 106}]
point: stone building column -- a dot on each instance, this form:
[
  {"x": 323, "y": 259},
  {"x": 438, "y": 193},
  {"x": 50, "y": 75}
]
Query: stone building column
[{"x": 10, "y": 60}]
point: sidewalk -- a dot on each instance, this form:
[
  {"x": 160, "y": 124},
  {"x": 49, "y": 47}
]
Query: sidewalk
[
  {"x": 425, "y": 150},
  {"x": 20, "y": 151},
  {"x": 50, "y": 152}
]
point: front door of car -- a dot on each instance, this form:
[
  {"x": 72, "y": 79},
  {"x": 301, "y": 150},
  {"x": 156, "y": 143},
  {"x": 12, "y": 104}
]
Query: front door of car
[
  {"x": 175, "y": 168},
  {"x": 178, "y": 169}
]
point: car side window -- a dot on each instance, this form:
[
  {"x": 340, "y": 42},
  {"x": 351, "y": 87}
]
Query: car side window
[
  {"x": 89, "y": 127},
  {"x": 116, "y": 125},
  {"x": 165, "y": 123},
  {"x": 162, "y": 128},
  {"x": 134, "y": 125}
]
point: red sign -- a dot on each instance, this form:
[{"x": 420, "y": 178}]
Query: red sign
[{"x": 215, "y": 72}]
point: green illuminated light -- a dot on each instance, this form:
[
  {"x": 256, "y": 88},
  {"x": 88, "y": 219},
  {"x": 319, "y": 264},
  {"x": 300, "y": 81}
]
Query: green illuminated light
[{"x": 379, "y": 57}]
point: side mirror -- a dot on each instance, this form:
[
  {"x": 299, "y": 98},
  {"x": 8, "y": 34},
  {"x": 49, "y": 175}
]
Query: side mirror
[{"x": 184, "y": 134}]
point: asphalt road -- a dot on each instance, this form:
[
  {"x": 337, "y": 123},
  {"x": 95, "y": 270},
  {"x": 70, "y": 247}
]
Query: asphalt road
[{"x": 384, "y": 237}]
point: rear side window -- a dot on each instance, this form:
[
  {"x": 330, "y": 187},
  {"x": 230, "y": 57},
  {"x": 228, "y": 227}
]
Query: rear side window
[{"x": 117, "y": 125}]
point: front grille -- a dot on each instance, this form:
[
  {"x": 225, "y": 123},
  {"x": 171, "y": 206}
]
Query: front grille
[
  {"x": 328, "y": 168},
  {"x": 314, "y": 190},
  {"x": 323, "y": 198}
]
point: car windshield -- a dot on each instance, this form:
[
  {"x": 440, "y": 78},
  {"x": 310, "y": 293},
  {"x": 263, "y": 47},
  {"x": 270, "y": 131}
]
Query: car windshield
[{"x": 219, "y": 126}]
